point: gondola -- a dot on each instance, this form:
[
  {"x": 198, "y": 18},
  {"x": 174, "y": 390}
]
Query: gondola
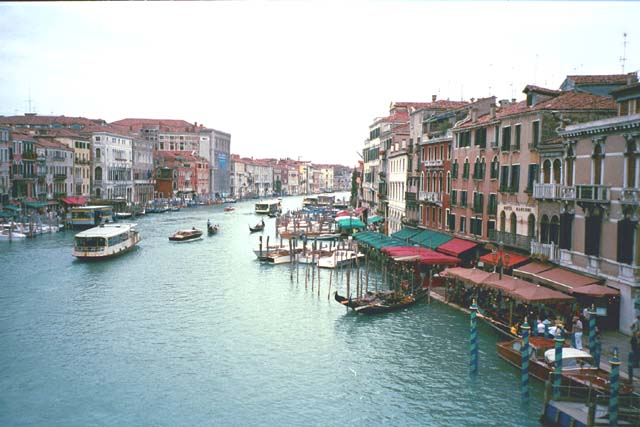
[
  {"x": 212, "y": 229},
  {"x": 258, "y": 227},
  {"x": 377, "y": 303}
]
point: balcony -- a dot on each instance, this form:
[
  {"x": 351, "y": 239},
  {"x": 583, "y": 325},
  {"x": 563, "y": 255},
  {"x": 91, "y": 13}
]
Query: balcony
[
  {"x": 510, "y": 239},
  {"x": 29, "y": 155},
  {"x": 567, "y": 193},
  {"x": 433, "y": 163},
  {"x": 592, "y": 194},
  {"x": 431, "y": 197},
  {"x": 60, "y": 176},
  {"x": 546, "y": 191},
  {"x": 630, "y": 196},
  {"x": 546, "y": 251}
]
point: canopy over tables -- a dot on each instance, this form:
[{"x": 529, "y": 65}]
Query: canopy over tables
[
  {"x": 518, "y": 289},
  {"x": 406, "y": 233},
  {"x": 528, "y": 270},
  {"x": 350, "y": 223},
  {"x": 597, "y": 291},
  {"x": 73, "y": 200},
  {"x": 12, "y": 208},
  {"x": 374, "y": 219},
  {"x": 35, "y": 205},
  {"x": 509, "y": 259},
  {"x": 456, "y": 246},
  {"x": 377, "y": 240},
  {"x": 561, "y": 279},
  {"x": 423, "y": 255},
  {"x": 430, "y": 239}
]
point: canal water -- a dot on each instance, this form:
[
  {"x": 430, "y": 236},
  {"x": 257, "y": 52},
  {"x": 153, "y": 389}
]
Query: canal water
[{"x": 200, "y": 334}]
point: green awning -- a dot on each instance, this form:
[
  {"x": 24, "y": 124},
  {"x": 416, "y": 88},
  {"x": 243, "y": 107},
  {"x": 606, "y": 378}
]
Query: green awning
[
  {"x": 377, "y": 240},
  {"x": 351, "y": 223},
  {"x": 430, "y": 239},
  {"x": 406, "y": 233},
  {"x": 6, "y": 214},
  {"x": 374, "y": 219},
  {"x": 12, "y": 208},
  {"x": 35, "y": 205}
]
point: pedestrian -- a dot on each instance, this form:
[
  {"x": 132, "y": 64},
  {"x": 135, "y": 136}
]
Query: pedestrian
[
  {"x": 635, "y": 349},
  {"x": 540, "y": 327},
  {"x": 577, "y": 332},
  {"x": 635, "y": 326}
]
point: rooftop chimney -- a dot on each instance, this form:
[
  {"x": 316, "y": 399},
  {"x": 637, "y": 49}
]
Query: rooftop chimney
[
  {"x": 433, "y": 98},
  {"x": 474, "y": 114},
  {"x": 492, "y": 109}
]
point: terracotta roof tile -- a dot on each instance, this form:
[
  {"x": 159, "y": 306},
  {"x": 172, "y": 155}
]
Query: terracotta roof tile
[{"x": 599, "y": 78}]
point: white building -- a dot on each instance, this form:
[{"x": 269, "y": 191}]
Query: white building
[
  {"x": 111, "y": 164},
  {"x": 398, "y": 158}
]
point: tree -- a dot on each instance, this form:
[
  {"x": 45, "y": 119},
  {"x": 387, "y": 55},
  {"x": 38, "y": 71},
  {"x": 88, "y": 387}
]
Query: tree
[{"x": 355, "y": 180}]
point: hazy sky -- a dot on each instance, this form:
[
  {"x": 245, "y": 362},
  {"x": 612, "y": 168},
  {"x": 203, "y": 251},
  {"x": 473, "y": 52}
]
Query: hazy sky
[{"x": 296, "y": 78}]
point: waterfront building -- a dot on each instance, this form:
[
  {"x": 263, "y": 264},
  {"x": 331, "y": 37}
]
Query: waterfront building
[
  {"x": 342, "y": 178},
  {"x": 305, "y": 171},
  {"x": 594, "y": 196},
  {"x": 216, "y": 148},
  {"x": 111, "y": 162},
  {"x": 54, "y": 169},
  {"x": 142, "y": 166},
  {"x": 396, "y": 178},
  {"x": 429, "y": 171},
  {"x": 5, "y": 165},
  {"x": 325, "y": 178},
  {"x": 239, "y": 178},
  {"x": 184, "y": 174},
  {"x": 291, "y": 179},
  {"x": 81, "y": 146},
  {"x": 23, "y": 167}
]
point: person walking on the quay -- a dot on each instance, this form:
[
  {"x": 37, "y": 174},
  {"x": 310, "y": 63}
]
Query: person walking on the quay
[
  {"x": 577, "y": 331},
  {"x": 635, "y": 349},
  {"x": 635, "y": 326}
]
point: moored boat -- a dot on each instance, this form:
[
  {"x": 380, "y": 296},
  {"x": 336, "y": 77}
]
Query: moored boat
[
  {"x": 105, "y": 241},
  {"x": 186, "y": 235},
  {"x": 381, "y": 302},
  {"x": 339, "y": 258},
  {"x": 578, "y": 366},
  {"x": 10, "y": 233},
  {"x": 278, "y": 256}
]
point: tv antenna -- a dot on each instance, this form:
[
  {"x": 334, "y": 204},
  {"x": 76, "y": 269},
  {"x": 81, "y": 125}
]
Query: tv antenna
[{"x": 623, "y": 58}]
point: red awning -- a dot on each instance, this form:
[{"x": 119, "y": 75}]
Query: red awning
[
  {"x": 564, "y": 280},
  {"x": 74, "y": 200},
  {"x": 597, "y": 291},
  {"x": 469, "y": 275},
  {"x": 509, "y": 259},
  {"x": 539, "y": 295},
  {"x": 423, "y": 255},
  {"x": 456, "y": 246},
  {"x": 529, "y": 270}
]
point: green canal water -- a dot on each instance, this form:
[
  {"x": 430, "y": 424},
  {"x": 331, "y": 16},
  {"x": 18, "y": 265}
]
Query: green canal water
[{"x": 200, "y": 334}]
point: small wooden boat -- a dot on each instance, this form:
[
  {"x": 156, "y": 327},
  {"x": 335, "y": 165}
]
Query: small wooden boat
[
  {"x": 258, "y": 227},
  {"x": 339, "y": 258},
  {"x": 122, "y": 215},
  {"x": 578, "y": 366},
  {"x": 212, "y": 229},
  {"x": 278, "y": 256},
  {"x": 381, "y": 302},
  {"x": 229, "y": 209},
  {"x": 186, "y": 235}
]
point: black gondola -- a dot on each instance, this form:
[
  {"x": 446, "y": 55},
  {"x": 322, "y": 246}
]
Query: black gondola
[
  {"x": 258, "y": 227},
  {"x": 376, "y": 303}
]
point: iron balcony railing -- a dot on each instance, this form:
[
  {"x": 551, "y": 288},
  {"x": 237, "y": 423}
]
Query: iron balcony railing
[
  {"x": 510, "y": 239},
  {"x": 430, "y": 196},
  {"x": 592, "y": 193},
  {"x": 546, "y": 191}
]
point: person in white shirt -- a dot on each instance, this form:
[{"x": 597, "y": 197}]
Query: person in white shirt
[{"x": 577, "y": 331}]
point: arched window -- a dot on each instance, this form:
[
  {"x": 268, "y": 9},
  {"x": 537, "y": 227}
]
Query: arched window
[
  {"x": 97, "y": 154},
  {"x": 495, "y": 168},
  {"x": 531, "y": 226},
  {"x": 483, "y": 167},
  {"x": 632, "y": 165},
  {"x": 454, "y": 169},
  {"x": 513, "y": 223},
  {"x": 556, "y": 171},
  {"x": 546, "y": 171},
  {"x": 429, "y": 182},
  {"x": 598, "y": 156},
  {"x": 554, "y": 230},
  {"x": 544, "y": 229},
  {"x": 569, "y": 162},
  {"x": 503, "y": 221},
  {"x": 465, "y": 169},
  {"x": 440, "y": 183},
  {"x": 98, "y": 174},
  {"x": 448, "y": 182}
]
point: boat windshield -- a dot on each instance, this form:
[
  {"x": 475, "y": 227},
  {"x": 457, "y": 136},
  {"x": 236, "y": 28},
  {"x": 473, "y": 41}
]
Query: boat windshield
[
  {"x": 84, "y": 243},
  {"x": 577, "y": 363}
]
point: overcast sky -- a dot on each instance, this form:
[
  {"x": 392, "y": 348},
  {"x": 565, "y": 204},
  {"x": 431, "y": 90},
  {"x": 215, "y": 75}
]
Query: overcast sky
[{"x": 296, "y": 78}]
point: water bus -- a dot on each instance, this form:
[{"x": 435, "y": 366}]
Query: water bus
[
  {"x": 268, "y": 207},
  {"x": 105, "y": 241},
  {"x": 91, "y": 216}
]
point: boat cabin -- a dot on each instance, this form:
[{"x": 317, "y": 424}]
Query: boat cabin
[
  {"x": 91, "y": 216},
  {"x": 268, "y": 207}
]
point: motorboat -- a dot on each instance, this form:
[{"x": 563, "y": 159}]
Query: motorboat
[
  {"x": 340, "y": 258},
  {"x": 229, "y": 209},
  {"x": 105, "y": 241},
  {"x": 10, "y": 233},
  {"x": 278, "y": 256},
  {"x": 578, "y": 366},
  {"x": 186, "y": 235},
  {"x": 212, "y": 229}
]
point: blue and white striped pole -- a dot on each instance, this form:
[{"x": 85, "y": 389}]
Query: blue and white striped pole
[
  {"x": 473, "y": 361},
  {"x": 614, "y": 380},
  {"x": 592, "y": 329},
  {"x": 525, "y": 359},
  {"x": 557, "y": 377}
]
